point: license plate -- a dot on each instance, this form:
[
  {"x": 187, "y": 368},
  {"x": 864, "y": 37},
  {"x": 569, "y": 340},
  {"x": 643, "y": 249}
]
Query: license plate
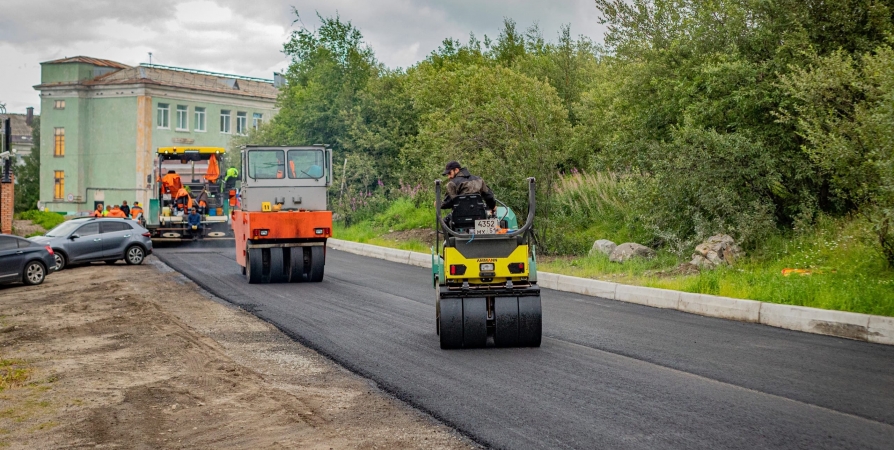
[{"x": 487, "y": 226}]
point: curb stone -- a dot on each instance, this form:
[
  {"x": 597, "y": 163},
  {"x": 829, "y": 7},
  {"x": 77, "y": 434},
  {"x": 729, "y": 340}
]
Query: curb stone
[{"x": 861, "y": 327}]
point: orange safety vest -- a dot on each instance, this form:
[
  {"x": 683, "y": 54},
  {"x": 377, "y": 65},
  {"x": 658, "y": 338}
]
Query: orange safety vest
[
  {"x": 171, "y": 183},
  {"x": 97, "y": 213},
  {"x": 115, "y": 212},
  {"x": 136, "y": 210}
]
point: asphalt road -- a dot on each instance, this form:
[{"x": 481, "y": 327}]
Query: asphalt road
[{"x": 608, "y": 375}]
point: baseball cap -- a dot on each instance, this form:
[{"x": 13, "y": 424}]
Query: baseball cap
[{"x": 450, "y": 166}]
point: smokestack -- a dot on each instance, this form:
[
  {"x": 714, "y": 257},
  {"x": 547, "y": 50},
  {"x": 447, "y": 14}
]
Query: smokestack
[{"x": 29, "y": 117}]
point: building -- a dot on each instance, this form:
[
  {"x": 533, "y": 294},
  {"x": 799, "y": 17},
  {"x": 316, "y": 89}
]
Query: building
[
  {"x": 102, "y": 121},
  {"x": 21, "y": 133}
]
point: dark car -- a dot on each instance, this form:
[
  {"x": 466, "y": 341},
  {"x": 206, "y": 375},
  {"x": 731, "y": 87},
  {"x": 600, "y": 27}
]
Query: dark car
[
  {"x": 24, "y": 260},
  {"x": 97, "y": 239}
]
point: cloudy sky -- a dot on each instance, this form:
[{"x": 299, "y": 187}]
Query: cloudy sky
[{"x": 245, "y": 37}]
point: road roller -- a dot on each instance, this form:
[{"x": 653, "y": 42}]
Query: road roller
[
  {"x": 281, "y": 219},
  {"x": 484, "y": 271}
]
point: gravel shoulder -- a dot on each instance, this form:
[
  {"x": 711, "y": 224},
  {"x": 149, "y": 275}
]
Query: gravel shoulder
[{"x": 140, "y": 357}]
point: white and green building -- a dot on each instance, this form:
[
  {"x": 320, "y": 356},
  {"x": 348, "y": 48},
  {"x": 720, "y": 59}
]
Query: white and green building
[{"x": 102, "y": 121}]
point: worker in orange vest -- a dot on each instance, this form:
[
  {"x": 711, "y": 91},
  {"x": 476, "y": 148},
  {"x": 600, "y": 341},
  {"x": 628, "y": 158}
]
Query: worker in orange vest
[
  {"x": 136, "y": 210},
  {"x": 98, "y": 211},
  {"x": 183, "y": 200},
  {"x": 171, "y": 182},
  {"x": 117, "y": 212}
]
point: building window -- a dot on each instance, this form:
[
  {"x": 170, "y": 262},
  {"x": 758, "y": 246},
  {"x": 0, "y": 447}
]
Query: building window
[
  {"x": 59, "y": 185},
  {"x": 60, "y": 104},
  {"x": 182, "y": 123},
  {"x": 241, "y": 120},
  {"x": 256, "y": 120},
  {"x": 225, "y": 121},
  {"x": 199, "y": 119},
  {"x": 59, "y": 144},
  {"x": 164, "y": 115}
]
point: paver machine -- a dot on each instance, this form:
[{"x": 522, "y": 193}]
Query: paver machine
[
  {"x": 281, "y": 218},
  {"x": 485, "y": 275},
  {"x": 196, "y": 170}
]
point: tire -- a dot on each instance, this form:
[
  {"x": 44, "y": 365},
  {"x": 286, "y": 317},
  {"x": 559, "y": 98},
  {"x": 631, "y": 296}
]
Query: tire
[
  {"x": 506, "y": 326},
  {"x": 437, "y": 310},
  {"x": 530, "y": 322},
  {"x": 278, "y": 273},
  {"x": 61, "y": 261},
  {"x": 134, "y": 255},
  {"x": 34, "y": 273},
  {"x": 474, "y": 322},
  {"x": 317, "y": 263},
  {"x": 255, "y": 266},
  {"x": 297, "y": 272},
  {"x": 451, "y": 323}
]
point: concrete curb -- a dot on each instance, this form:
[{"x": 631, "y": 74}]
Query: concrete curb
[{"x": 861, "y": 327}]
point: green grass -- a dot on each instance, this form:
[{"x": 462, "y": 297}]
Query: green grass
[
  {"x": 47, "y": 220},
  {"x": 848, "y": 272}
]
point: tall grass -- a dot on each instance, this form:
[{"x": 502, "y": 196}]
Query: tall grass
[{"x": 47, "y": 220}]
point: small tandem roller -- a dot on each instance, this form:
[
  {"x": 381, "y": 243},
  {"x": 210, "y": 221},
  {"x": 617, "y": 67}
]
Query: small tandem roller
[
  {"x": 485, "y": 276},
  {"x": 282, "y": 220}
]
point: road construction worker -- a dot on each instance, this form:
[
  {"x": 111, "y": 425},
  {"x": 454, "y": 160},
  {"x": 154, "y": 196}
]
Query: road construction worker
[
  {"x": 171, "y": 182},
  {"x": 202, "y": 202},
  {"x": 464, "y": 183},
  {"x": 98, "y": 212},
  {"x": 183, "y": 200},
  {"x": 116, "y": 212},
  {"x": 125, "y": 209},
  {"x": 136, "y": 210},
  {"x": 194, "y": 222},
  {"x": 230, "y": 179},
  {"x": 107, "y": 211}
]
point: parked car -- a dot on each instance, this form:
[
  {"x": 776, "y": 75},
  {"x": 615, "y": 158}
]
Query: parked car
[
  {"x": 97, "y": 239},
  {"x": 24, "y": 260}
]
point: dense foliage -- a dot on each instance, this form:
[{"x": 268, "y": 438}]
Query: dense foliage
[{"x": 748, "y": 117}]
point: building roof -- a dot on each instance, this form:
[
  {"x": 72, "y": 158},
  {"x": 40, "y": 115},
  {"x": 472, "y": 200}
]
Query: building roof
[
  {"x": 21, "y": 131},
  {"x": 189, "y": 79},
  {"x": 89, "y": 60}
]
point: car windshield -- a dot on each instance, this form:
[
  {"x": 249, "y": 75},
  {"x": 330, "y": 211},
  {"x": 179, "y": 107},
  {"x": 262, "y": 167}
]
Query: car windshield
[
  {"x": 266, "y": 164},
  {"x": 64, "y": 229},
  {"x": 306, "y": 164}
]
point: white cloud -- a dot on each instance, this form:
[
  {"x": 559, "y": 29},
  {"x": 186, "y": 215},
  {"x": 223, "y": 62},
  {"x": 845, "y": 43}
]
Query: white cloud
[{"x": 234, "y": 36}]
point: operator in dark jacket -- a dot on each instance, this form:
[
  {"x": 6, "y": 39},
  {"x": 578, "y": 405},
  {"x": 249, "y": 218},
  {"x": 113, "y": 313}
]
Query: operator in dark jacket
[
  {"x": 194, "y": 220},
  {"x": 463, "y": 183}
]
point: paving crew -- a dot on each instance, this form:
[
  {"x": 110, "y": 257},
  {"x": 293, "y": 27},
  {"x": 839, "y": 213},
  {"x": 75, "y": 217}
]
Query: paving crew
[
  {"x": 195, "y": 223},
  {"x": 106, "y": 212},
  {"x": 183, "y": 200},
  {"x": 171, "y": 182},
  {"x": 136, "y": 211},
  {"x": 230, "y": 178},
  {"x": 125, "y": 209},
  {"x": 202, "y": 201},
  {"x": 98, "y": 212},
  {"x": 464, "y": 183},
  {"x": 116, "y": 212}
]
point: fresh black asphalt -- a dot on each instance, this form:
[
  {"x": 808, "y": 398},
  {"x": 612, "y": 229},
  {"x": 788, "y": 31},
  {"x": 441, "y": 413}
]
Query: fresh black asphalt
[{"x": 609, "y": 374}]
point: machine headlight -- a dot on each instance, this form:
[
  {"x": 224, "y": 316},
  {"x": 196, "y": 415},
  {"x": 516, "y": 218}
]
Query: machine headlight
[{"x": 487, "y": 267}]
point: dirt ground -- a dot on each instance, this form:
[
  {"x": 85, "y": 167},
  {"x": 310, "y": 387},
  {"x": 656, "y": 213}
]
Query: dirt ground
[{"x": 139, "y": 357}]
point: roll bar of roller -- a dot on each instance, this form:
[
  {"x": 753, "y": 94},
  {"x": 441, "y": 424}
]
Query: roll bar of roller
[{"x": 529, "y": 222}]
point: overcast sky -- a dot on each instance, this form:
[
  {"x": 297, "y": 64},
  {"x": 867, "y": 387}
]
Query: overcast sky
[{"x": 245, "y": 37}]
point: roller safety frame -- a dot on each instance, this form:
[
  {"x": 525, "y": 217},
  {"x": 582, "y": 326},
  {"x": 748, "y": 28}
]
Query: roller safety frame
[{"x": 486, "y": 286}]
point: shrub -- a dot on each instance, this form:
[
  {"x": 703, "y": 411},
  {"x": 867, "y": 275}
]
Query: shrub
[{"x": 47, "y": 220}]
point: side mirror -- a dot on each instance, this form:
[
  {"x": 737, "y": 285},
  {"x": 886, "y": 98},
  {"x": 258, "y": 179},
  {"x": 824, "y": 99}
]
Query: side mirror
[{"x": 74, "y": 236}]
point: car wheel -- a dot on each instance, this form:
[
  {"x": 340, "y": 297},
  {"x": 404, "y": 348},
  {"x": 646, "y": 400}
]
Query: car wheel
[
  {"x": 134, "y": 255},
  {"x": 60, "y": 260},
  {"x": 34, "y": 273}
]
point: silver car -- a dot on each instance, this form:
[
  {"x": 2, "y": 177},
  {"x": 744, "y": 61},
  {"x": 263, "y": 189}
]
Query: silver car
[{"x": 97, "y": 239}]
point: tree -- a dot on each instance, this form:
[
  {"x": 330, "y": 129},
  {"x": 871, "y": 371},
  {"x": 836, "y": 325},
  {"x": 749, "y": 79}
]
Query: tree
[{"x": 28, "y": 176}]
